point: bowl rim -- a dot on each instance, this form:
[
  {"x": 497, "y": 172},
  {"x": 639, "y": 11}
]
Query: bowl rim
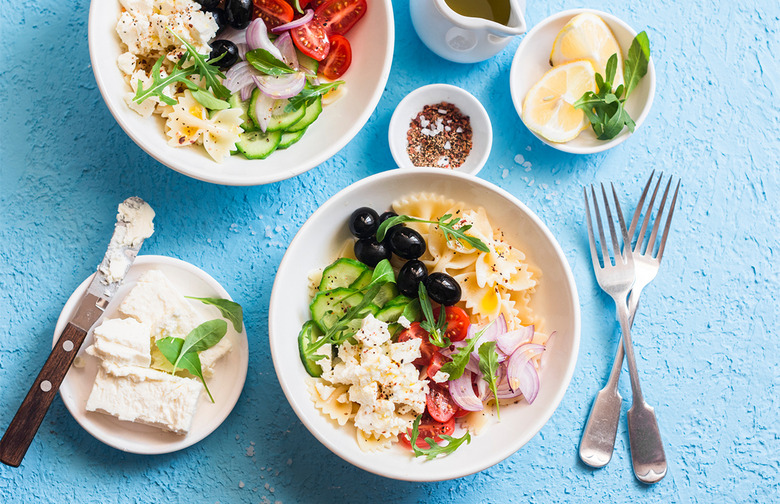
[
  {"x": 515, "y": 72},
  {"x": 216, "y": 177},
  {"x": 396, "y": 131},
  {"x": 276, "y": 309}
]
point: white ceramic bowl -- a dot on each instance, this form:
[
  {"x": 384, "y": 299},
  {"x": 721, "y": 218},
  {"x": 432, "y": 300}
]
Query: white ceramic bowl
[
  {"x": 532, "y": 61},
  {"x": 316, "y": 246},
  {"x": 372, "y": 41},
  {"x": 413, "y": 103},
  {"x": 225, "y": 385}
]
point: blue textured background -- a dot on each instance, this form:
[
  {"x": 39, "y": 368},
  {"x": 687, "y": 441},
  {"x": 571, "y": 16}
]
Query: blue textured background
[{"x": 706, "y": 333}]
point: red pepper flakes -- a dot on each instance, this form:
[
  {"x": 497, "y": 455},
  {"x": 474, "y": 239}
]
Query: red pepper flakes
[{"x": 439, "y": 136}]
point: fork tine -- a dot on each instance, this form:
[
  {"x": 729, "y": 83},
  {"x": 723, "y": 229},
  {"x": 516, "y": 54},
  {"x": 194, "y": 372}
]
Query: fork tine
[
  {"x": 649, "y": 213},
  {"x": 603, "y": 241},
  {"x": 594, "y": 254},
  {"x": 668, "y": 222},
  {"x": 638, "y": 211},
  {"x": 658, "y": 217},
  {"x": 608, "y": 210},
  {"x": 626, "y": 243}
]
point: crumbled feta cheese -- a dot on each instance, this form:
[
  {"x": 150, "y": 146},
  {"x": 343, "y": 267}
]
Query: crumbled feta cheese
[
  {"x": 372, "y": 332},
  {"x": 405, "y": 323},
  {"x": 405, "y": 351},
  {"x": 440, "y": 377}
]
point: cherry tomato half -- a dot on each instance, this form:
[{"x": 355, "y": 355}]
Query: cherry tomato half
[
  {"x": 338, "y": 59},
  {"x": 437, "y": 359},
  {"x": 311, "y": 39},
  {"x": 427, "y": 349},
  {"x": 339, "y": 16},
  {"x": 428, "y": 428},
  {"x": 457, "y": 322},
  {"x": 439, "y": 404},
  {"x": 273, "y": 12}
]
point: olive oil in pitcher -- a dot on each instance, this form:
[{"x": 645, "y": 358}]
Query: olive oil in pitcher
[{"x": 492, "y": 10}]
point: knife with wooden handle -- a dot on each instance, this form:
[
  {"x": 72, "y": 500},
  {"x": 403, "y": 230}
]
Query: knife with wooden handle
[{"x": 134, "y": 224}]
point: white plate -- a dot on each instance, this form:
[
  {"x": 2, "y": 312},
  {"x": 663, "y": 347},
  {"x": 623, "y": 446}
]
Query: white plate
[
  {"x": 413, "y": 103},
  {"x": 316, "y": 246},
  {"x": 372, "y": 42},
  {"x": 225, "y": 385},
  {"x": 532, "y": 60}
]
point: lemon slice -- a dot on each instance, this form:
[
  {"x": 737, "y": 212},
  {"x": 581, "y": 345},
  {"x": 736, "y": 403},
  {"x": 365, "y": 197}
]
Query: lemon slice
[
  {"x": 587, "y": 36},
  {"x": 548, "y": 108}
]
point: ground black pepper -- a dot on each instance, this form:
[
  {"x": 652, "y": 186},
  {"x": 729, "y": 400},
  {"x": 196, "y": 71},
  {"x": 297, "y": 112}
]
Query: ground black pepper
[{"x": 440, "y": 136}]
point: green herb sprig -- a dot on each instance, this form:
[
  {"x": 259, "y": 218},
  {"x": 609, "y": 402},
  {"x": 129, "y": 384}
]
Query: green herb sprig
[
  {"x": 447, "y": 225},
  {"x": 267, "y": 63},
  {"x": 605, "y": 109},
  {"x": 457, "y": 366},
  {"x": 436, "y": 449},
  {"x": 309, "y": 95},
  {"x": 231, "y": 310},
  {"x": 435, "y": 329},
  {"x": 488, "y": 365}
]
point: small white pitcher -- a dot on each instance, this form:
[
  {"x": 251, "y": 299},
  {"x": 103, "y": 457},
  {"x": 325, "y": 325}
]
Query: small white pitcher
[{"x": 460, "y": 38}]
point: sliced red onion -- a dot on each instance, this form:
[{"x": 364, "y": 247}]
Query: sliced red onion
[
  {"x": 264, "y": 107},
  {"x": 239, "y": 76},
  {"x": 246, "y": 91},
  {"x": 308, "y": 15},
  {"x": 482, "y": 388},
  {"x": 309, "y": 66},
  {"x": 285, "y": 45},
  {"x": 233, "y": 35},
  {"x": 282, "y": 86},
  {"x": 521, "y": 374},
  {"x": 257, "y": 38},
  {"x": 463, "y": 394},
  {"x": 242, "y": 50},
  {"x": 508, "y": 342},
  {"x": 496, "y": 329}
]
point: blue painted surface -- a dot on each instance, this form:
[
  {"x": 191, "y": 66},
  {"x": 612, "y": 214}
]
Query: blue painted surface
[{"x": 706, "y": 334}]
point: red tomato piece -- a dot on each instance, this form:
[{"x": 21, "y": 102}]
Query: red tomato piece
[
  {"x": 311, "y": 39},
  {"x": 428, "y": 428},
  {"x": 439, "y": 404},
  {"x": 427, "y": 349},
  {"x": 437, "y": 359},
  {"x": 338, "y": 59},
  {"x": 339, "y": 16},
  {"x": 273, "y": 12},
  {"x": 457, "y": 322}
]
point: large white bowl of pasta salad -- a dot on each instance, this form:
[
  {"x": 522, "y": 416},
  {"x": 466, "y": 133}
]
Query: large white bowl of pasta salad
[
  {"x": 127, "y": 37},
  {"x": 368, "y": 370}
]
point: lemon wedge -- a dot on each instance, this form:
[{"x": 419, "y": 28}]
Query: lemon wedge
[
  {"x": 587, "y": 36},
  {"x": 548, "y": 108}
]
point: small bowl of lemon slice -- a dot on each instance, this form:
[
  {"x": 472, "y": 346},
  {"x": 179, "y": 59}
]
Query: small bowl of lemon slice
[{"x": 557, "y": 63}]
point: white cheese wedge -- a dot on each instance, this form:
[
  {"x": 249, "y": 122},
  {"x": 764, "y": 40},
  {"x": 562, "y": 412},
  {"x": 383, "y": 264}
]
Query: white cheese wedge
[
  {"x": 147, "y": 396},
  {"x": 123, "y": 342}
]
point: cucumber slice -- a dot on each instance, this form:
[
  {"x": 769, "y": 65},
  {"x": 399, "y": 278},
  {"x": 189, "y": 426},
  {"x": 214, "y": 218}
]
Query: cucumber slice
[
  {"x": 309, "y": 334},
  {"x": 313, "y": 111},
  {"x": 258, "y": 145},
  {"x": 281, "y": 120},
  {"x": 363, "y": 280},
  {"x": 342, "y": 273},
  {"x": 329, "y": 306},
  {"x": 290, "y": 137},
  {"x": 235, "y": 102},
  {"x": 390, "y": 314},
  {"x": 306, "y": 61},
  {"x": 387, "y": 292},
  {"x": 399, "y": 300}
]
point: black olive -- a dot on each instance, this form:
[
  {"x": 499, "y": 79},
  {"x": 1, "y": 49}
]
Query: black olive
[
  {"x": 443, "y": 289},
  {"x": 238, "y": 13},
  {"x": 219, "y": 18},
  {"x": 370, "y": 252},
  {"x": 407, "y": 243},
  {"x": 411, "y": 274},
  {"x": 386, "y": 216},
  {"x": 208, "y": 4},
  {"x": 226, "y": 47},
  {"x": 363, "y": 222}
]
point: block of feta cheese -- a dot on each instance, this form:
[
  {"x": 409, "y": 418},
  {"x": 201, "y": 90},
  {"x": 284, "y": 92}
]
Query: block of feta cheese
[
  {"x": 156, "y": 301},
  {"x": 145, "y": 395},
  {"x": 123, "y": 341}
]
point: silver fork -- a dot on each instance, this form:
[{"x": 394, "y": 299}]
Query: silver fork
[{"x": 617, "y": 280}]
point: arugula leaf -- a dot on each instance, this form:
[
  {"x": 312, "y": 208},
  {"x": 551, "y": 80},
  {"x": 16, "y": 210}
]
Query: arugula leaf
[
  {"x": 457, "y": 366},
  {"x": 309, "y": 95},
  {"x": 298, "y": 6},
  {"x": 209, "y": 101},
  {"x": 267, "y": 63},
  {"x": 209, "y": 72},
  {"x": 229, "y": 309},
  {"x": 383, "y": 273},
  {"x": 159, "y": 83},
  {"x": 445, "y": 223},
  {"x": 436, "y": 449},
  {"x": 488, "y": 364},
  {"x": 202, "y": 337},
  {"x": 636, "y": 62},
  {"x": 171, "y": 348},
  {"x": 429, "y": 324},
  {"x": 412, "y": 311}
]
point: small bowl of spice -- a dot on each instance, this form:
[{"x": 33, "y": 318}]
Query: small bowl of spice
[{"x": 440, "y": 126}]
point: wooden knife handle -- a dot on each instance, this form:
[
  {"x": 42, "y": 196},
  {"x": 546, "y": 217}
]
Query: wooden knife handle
[{"x": 28, "y": 418}]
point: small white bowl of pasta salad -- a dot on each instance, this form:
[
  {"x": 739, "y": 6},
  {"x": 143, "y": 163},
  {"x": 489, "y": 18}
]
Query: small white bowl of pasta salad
[
  {"x": 405, "y": 306},
  {"x": 241, "y": 92}
]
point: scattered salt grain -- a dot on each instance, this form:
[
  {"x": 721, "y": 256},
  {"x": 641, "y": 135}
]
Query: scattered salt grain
[
  {"x": 238, "y": 437},
  {"x": 250, "y": 451},
  {"x": 519, "y": 159},
  {"x": 240, "y": 484},
  {"x": 527, "y": 164},
  {"x": 289, "y": 461},
  {"x": 448, "y": 146},
  {"x": 505, "y": 173},
  {"x": 528, "y": 148},
  {"x": 267, "y": 486}
]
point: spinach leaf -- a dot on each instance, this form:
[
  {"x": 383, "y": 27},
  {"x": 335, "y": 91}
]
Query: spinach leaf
[
  {"x": 171, "y": 349},
  {"x": 267, "y": 63},
  {"x": 229, "y": 309},
  {"x": 202, "y": 337}
]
